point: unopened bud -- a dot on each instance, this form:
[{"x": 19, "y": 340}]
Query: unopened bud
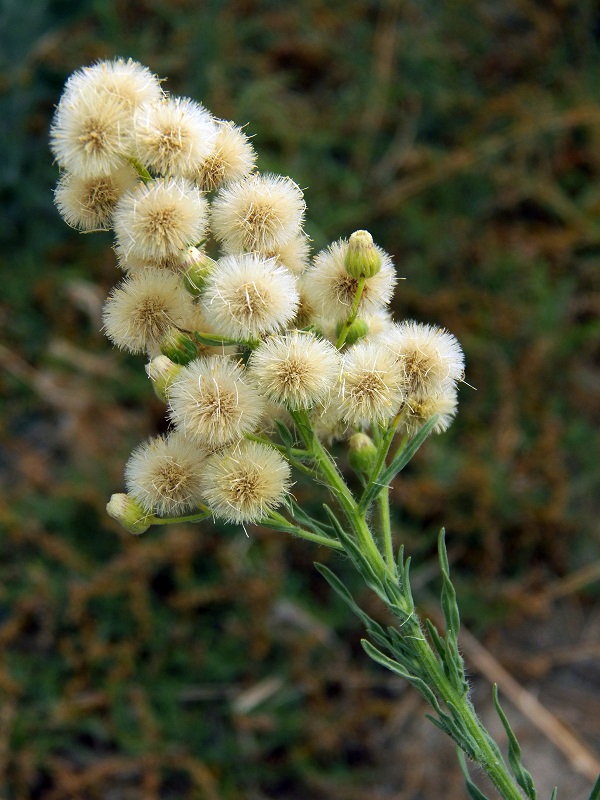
[
  {"x": 179, "y": 347},
  {"x": 162, "y": 372},
  {"x": 363, "y": 453},
  {"x": 356, "y": 331},
  {"x": 128, "y": 513},
  {"x": 362, "y": 258},
  {"x": 196, "y": 266}
]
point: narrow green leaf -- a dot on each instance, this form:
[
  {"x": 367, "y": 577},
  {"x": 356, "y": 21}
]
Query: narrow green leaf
[
  {"x": 473, "y": 791},
  {"x": 336, "y": 584},
  {"x": 285, "y": 433},
  {"x": 449, "y": 604},
  {"x": 555, "y": 792},
  {"x": 595, "y": 795},
  {"x": 522, "y": 776},
  {"x": 437, "y": 640}
]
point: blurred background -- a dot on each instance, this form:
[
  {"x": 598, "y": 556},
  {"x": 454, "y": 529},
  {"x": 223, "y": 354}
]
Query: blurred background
[{"x": 199, "y": 662}]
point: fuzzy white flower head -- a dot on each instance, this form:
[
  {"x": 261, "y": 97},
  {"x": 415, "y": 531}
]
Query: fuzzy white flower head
[
  {"x": 257, "y": 213},
  {"x": 431, "y": 356},
  {"x": 160, "y": 218},
  {"x": 231, "y": 159},
  {"x": 418, "y": 410},
  {"x": 127, "y": 81},
  {"x": 90, "y": 133},
  {"x": 330, "y": 290},
  {"x": 173, "y": 136},
  {"x": 142, "y": 308},
  {"x": 294, "y": 255},
  {"x": 246, "y": 482},
  {"x": 88, "y": 203},
  {"x": 213, "y": 403},
  {"x": 164, "y": 474},
  {"x": 373, "y": 386},
  {"x": 295, "y": 369},
  {"x": 246, "y": 297}
]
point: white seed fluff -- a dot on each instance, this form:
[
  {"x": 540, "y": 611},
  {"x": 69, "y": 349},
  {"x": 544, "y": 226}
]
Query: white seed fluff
[
  {"x": 331, "y": 291},
  {"x": 173, "y": 136},
  {"x": 90, "y": 133},
  {"x": 127, "y": 81},
  {"x": 231, "y": 159},
  {"x": 373, "y": 386},
  {"x": 431, "y": 356},
  {"x": 164, "y": 474},
  {"x": 246, "y": 482},
  {"x": 87, "y": 204},
  {"x": 213, "y": 403},
  {"x": 294, "y": 255},
  {"x": 296, "y": 369},
  {"x": 417, "y": 411},
  {"x": 257, "y": 213},
  {"x": 246, "y": 297},
  {"x": 142, "y": 308},
  {"x": 160, "y": 218}
]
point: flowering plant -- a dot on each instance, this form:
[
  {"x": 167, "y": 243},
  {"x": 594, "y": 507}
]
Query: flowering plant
[{"x": 264, "y": 358}]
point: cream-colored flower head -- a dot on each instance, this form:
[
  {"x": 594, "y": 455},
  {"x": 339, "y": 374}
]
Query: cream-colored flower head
[
  {"x": 295, "y": 369},
  {"x": 213, "y": 403},
  {"x": 131, "y": 262},
  {"x": 173, "y": 136},
  {"x": 294, "y": 255},
  {"x": 331, "y": 291},
  {"x": 245, "y": 483},
  {"x": 257, "y": 213},
  {"x": 87, "y": 204},
  {"x": 160, "y": 218},
  {"x": 373, "y": 385},
  {"x": 231, "y": 159},
  {"x": 418, "y": 410},
  {"x": 327, "y": 422},
  {"x": 431, "y": 357},
  {"x": 164, "y": 474},
  {"x": 246, "y": 297},
  {"x": 142, "y": 308},
  {"x": 90, "y": 133},
  {"x": 129, "y": 82}
]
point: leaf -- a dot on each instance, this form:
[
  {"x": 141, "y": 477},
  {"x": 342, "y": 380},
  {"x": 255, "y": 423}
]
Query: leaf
[
  {"x": 595, "y": 795},
  {"x": 473, "y": 791},
  {"x": 522, "y": 776},
  {"x": 449, "y": 604},
  {"x": 285, "y": 434},
  {"x": 592, "y": 796}
]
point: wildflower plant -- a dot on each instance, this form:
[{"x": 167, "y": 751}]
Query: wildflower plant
[{"x": 264, "y": 358}]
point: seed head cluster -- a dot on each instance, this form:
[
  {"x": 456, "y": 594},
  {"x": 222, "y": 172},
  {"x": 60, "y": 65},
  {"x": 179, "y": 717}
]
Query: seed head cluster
[{"x": 240, "y": 325}]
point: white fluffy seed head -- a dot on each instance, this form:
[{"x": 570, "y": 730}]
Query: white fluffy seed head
[
  {"x": 164, "y": 474},
  {"x": 294, "y": 255},
  {"x": 373, "y": 386},
  {"x": 246, "y": 297},
  {"x": 431, "y": 357},
  {"x": 173, "y": 136},
  {"x": 87, "y": 204},
  {"x": 295, "y": 369},
  {"x": 128, "y": 81},
  {"x": 330, "y": 290},
  {"x": 244, "y": 483},
  {"x": 417, "y": 411},
  {"x": 231, "y": 159},
  {"x": 257, "y": 213},
  {"x": 90, "y": 133},
  {"x": 159, "y": 219},
  {"x": 213, "y": 403},
  {"x": 142, "y": 308}
]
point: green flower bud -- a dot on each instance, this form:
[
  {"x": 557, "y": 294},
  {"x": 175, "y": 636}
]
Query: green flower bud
[
  {"x": 162, "y": 372},
  {"x": 128, "y": 513},
  {"x": 356, "y": 331},
  {"x": 179, "y": 347},
  {"x": 362, "y": 259},
  {"x": 196, "y": 266},
  {"x": 363, "y": 453}
]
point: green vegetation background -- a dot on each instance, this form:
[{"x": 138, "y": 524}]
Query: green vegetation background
[{"x": 207, "y": 663}]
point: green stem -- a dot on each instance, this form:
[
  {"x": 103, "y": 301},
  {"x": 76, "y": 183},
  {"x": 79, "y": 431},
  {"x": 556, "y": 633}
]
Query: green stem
[
  {"x": 140, "y": 169},
  {"x": 383, "y": 500},
  {"x": 384, "y": 447},
  {"x": 173, "y": 520},
  {"x": 279, "y": 521},
  {"x": 353, "y": 313}
]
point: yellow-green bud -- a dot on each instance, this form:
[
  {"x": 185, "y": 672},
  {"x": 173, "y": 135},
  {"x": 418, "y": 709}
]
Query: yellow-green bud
[
  {"x": 363, "y": 453},
  {"x": 179, "y": 347},
  {"x": 128, "y": 513},
  {"x": 362, "y": 259},
  {"x": 196, "y": 266},
  {"x": 356, "y": 331},
  {"x": 162, "y": 372}
]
